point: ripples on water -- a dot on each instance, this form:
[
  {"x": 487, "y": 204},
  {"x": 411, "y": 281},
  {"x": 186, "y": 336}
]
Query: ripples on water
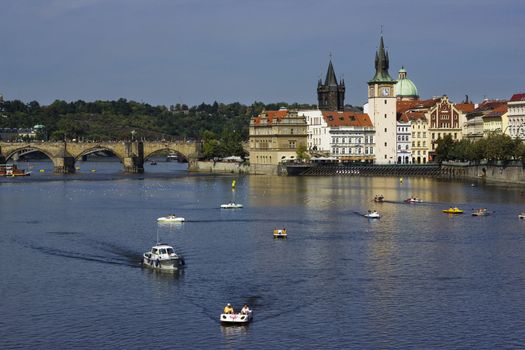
[{"x": 415, "y": 279}]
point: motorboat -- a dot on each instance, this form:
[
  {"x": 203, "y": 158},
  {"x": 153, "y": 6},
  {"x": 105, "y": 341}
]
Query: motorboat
[
  {"x": 12, "y": 170},
  {"x": 153, "y": 162},
  {"x": 454, "y": 210},
  {"x": 231, "y": 205},
  {"x": 379, "y": 199},
  {"x": 413, "y": 200},
  {"x": 162, "y": 257},
  {"x": 239, "y": 319},
  {"x": 481, "y": 212},
  {"x": 279, "y": 233},
  {"x": 522, "y": 216},
  {"x": 372, "y": 215},
  {"x": 170, "y": 218}
]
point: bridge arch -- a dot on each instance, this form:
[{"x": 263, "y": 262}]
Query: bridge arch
[
  {"x": 33, "y": 149},
  {"x": 97, "y": 148},
  {"x": 161, "y": 150}
]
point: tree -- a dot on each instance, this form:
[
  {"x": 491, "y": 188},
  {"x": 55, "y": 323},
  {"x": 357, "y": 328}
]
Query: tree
[
  {"x": 444, "y": 148},
  {"x": 302, "y": 152}
]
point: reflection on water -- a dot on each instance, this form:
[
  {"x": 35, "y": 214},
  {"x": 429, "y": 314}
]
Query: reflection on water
[{"x": 417, "y": 278}]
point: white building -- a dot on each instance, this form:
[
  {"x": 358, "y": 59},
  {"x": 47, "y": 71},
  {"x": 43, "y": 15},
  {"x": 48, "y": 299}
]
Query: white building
[
  {"x": 516, "y": 116},
  {"x": 318, "y": 132},
  {"x": 404, "y": 151},
  {"x": 352, "y": 136}
]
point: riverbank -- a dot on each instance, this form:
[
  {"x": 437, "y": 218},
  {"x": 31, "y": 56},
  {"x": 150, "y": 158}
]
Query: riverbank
[{"x": 504, "y": 172}]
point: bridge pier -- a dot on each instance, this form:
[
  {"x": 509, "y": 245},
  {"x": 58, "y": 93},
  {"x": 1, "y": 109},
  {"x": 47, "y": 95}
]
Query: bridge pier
[
  {"x": 133, "y": 165},
  {"x": 64, "y": 165}
]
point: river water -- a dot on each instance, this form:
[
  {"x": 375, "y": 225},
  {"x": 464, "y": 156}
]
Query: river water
[{"x": 70, "y": 250}]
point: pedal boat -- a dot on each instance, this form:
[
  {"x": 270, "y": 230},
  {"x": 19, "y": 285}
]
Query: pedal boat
[
  {"x": 453, "y": 211},
  {"x": 372, "y": 215},
  {"x": 413, "y": 200},
  {"x": 162, "y": 257},
  {"x": 236, "y": 319},
  {"x": 481, "y": 212},
  {"x": 279, "y": 233},
  {"x": 170, "y": 218},
  {"x": 379, "y": 199},
  {"x": 522, "y": 216}
]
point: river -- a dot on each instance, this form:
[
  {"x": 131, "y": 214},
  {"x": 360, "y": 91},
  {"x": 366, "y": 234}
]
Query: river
[{"x": 70, "y": 251}]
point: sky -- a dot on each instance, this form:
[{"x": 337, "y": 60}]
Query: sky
[{"x": 165, "y": 52}]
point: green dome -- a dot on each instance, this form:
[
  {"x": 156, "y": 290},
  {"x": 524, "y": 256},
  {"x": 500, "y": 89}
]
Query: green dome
[{"x": 405, "y": 87}]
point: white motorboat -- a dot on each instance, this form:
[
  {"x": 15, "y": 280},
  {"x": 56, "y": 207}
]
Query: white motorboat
[
  {"x": 522, "y": 216},
  {"x": 162, "y": 257},
  {"x": 231, "y": 205},
  {"x": 372, "y": 215},
  {"x": 237, "y": 319},
  {"x": 170, "y": 218}
]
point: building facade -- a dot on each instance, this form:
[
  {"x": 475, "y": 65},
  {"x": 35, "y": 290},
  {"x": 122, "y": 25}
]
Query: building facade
[
  {"x": 318, "y": 135},
  {"x": 352, "y": 136},
  {"x": 404, "y": 149},
  {"x": 275, "y": 137},
  {"x": 516, "y": 116}
]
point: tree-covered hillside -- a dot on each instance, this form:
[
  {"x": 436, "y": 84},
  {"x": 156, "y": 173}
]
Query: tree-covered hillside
[{"x": 118, "y": 120}]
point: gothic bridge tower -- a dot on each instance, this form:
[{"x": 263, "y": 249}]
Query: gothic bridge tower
[{"x": 331, "y": 95}]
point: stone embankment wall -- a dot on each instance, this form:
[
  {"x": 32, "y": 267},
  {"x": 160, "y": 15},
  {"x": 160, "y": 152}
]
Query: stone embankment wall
[
  {"x": 219, "y": 167},
  {"x": 512, "y": 172},
  {"x": 233, "y": 168}
]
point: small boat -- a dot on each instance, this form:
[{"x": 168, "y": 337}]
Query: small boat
[
  {"x": 170, "y": 218},
  {"x": 413, "y": 200},
  {"x": 12, "y": 170},
  {"x": 153, "y": 163},
  {"x": 279, "y": 233},
  {"x": 236, "y": 319},
  {"x": 481, "y": 212},
  {"x": 379, "y": 199},
  {"x": 522, "y": 216},
  {"x": 231, "y": 205},
  {"x": 454, "y": 210},
  {"x": 172, "y": 156},
  {"x": 162, "y": 257},
  {"x": 372, "y": 215}
]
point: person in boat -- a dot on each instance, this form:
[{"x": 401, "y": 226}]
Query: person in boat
[
  {"x": 245, "y": 309},
  {"x": 228, "y": 309}
]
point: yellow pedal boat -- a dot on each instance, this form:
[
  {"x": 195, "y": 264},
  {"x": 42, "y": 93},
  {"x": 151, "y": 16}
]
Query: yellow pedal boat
[{"x": 453, "y": 211}]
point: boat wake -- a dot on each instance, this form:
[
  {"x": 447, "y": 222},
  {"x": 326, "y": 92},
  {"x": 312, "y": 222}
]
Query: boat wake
[{"x": 115, "y": 260}]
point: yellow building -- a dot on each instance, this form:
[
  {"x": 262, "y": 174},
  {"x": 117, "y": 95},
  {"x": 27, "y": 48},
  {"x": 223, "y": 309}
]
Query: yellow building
[{"x": 275, "y": 137}]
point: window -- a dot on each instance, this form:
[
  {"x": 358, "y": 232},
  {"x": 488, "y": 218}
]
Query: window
[
  {"x": 385, "y": 101},
  {"x": 385, "y": 144},
  {"x": 385, "y": 129},
  {"x": 385, "y": 115}
]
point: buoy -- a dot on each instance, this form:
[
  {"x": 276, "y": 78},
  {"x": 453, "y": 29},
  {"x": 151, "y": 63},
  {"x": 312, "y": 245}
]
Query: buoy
[
  {"x": 400, "y": 180},
  {"x": 93, "y": 170},
  {"x": 42, "y": 170},
  {"x": 233, "y": 183}
]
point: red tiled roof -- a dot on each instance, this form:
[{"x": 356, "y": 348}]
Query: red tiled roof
[
  {"x": 498, "y": 111},
  {"x": 271, "y": 115},
  {"x": 517, "y": 97},
  {"x": 403, "y": 106},
  {"x": 465, "y": 107},
  {"x": 409, "y": 115},
  {"x": 336, "y": 118},
  {"x": 489, "y": 105}
]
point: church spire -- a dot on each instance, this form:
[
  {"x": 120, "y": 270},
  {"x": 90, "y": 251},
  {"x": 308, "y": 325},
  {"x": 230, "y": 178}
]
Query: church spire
[
  {"x": 382, "y": 63},
  {"x": 331, "y": 94}
]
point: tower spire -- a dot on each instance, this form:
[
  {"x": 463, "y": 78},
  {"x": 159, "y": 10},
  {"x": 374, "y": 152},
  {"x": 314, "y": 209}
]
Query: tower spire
[{"x": 382, "y": 63}]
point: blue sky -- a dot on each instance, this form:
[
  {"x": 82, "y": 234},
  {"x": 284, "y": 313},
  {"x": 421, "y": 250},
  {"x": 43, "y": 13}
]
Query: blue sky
[{"x": 193, "y": 51}]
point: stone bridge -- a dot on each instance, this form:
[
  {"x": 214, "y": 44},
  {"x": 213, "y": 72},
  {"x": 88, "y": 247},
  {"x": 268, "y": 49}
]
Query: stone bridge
[{"x": 132, "y": 154}]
